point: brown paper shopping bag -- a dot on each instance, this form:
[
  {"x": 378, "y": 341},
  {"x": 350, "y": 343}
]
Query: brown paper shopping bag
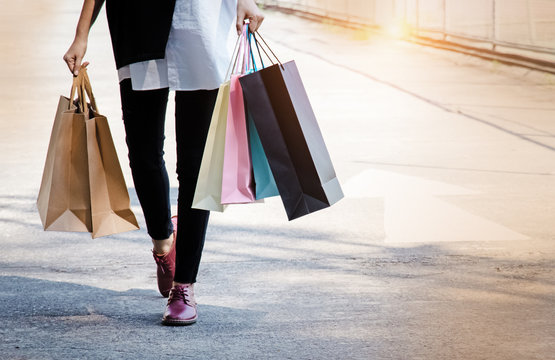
[
  {"x": 64, "y": 195},
  {"x": 82, "y": 187}
]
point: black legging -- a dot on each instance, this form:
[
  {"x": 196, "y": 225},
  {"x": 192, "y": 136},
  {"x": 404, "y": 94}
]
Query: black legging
[{"x": 144, "y": 115}]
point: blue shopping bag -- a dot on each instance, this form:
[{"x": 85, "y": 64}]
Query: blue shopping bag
[{"x": 265, "y": 185}]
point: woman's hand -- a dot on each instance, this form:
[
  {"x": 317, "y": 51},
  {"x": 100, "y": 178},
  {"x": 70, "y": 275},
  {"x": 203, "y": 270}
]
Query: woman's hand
[
  {"x": 76, "y": 51},
  {"x": 75, "y": 54},
  {"x": 247, "y": 9}
]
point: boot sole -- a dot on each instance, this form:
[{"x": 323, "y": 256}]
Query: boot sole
[{"x": 168, "y": 322}]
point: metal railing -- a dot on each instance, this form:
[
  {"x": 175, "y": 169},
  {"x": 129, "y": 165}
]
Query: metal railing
[{"x": 520, "y": 24}]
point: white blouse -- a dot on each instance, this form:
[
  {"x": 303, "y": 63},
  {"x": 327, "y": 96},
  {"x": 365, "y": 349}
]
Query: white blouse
[{"x": 198, "y": 51}]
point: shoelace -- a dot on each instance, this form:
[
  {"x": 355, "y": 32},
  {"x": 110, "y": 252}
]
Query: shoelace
[
  {"x": 180, "y": 293},
  {"x": 162, "y": 262}
]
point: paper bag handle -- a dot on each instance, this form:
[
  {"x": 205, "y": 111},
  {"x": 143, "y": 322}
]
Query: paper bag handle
[
  {"x": 240, "y": 60},
  {"x": 268, "y": 47},
  {"x": 82, "y": 86}
]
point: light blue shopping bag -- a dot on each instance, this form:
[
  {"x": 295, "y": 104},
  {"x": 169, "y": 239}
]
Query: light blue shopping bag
[{"x": 264, "y": 182}]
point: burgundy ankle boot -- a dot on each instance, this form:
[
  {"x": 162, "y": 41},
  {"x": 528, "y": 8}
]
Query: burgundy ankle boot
[
  {"x": 182, "y": 307},
  {"x": 166, "y": 265}
]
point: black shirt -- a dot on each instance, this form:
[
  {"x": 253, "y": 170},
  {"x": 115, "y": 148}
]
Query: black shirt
[{"x": 139, "y": 29}]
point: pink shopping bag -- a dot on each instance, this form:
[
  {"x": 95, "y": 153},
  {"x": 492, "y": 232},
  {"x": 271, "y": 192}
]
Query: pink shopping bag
[{"x": 237, "y": 179}]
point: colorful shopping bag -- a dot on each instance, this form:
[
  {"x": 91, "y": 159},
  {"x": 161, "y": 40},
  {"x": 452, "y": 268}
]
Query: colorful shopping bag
[
  {"x": 292, "y": 141},
  {"x": 237, "y": 182},
  {"x": 264, "y": 183},
  {"x": 208, "y": 193}
]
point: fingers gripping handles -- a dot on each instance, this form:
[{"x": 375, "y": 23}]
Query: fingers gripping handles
[{"x": 82, "y": 87}]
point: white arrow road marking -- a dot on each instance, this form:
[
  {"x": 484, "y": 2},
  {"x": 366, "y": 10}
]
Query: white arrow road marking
[{"x": 413, "y": 214}]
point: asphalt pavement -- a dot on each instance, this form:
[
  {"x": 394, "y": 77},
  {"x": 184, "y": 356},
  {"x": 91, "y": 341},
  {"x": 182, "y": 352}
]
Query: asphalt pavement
[{"x": 443, "y": 247}]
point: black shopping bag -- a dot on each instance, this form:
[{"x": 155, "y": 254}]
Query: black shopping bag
[{"x": 293, "y": 143}]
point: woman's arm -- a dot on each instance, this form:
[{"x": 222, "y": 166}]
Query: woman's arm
[
  {"x": 76, "y": 51},
  {"x": 247, "y": 9}
]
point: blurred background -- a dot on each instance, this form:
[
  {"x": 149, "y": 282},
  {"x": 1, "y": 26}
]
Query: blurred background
[
  {"x": 521, "y": 26},
  {"x": 516, "y": 23}
]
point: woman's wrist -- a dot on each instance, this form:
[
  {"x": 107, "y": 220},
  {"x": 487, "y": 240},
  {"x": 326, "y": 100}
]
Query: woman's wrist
[{"x": 81, "y": 39}]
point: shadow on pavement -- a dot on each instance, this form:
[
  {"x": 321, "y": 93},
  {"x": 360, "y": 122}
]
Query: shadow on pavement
[{"x": 47, "y": 319}]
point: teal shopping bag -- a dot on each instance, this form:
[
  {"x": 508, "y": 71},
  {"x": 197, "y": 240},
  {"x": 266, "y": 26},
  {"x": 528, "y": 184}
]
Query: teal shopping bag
[{"x": 265, "y": 185}]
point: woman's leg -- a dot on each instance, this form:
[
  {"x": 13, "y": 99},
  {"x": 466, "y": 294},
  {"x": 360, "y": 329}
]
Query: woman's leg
[
  {"x": 144, "y": 113},
  {"x": 193, "y": 111}
]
